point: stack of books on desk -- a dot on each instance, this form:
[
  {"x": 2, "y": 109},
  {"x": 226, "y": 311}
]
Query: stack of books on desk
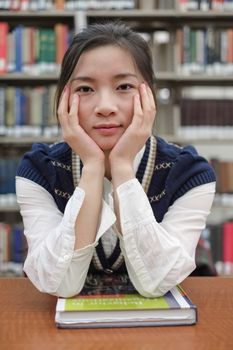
[{"x": 121, "y": 306}]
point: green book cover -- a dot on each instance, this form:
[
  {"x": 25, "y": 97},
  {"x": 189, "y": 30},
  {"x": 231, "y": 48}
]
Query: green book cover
[{"x": 112, "y": 301}]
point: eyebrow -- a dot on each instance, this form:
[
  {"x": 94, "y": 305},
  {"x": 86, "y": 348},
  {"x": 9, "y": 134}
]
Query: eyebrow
[{"x": 117, "y": 76}]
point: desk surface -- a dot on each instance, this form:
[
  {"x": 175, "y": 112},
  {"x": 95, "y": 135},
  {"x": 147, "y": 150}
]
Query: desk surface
[{"x": 27, "y": 322}]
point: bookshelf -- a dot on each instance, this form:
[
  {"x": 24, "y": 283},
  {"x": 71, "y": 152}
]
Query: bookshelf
[
  {"x": 31, "y": 79},
  {"x": 166, "y": 25}
]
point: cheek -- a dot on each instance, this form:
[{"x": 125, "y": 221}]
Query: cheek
[
  {"x": 128, "y": 109},
  {"x": 83, "y": 114}
]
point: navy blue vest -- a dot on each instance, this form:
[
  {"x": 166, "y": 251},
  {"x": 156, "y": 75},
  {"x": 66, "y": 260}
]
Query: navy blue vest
[{"x": 166, "y": 172}]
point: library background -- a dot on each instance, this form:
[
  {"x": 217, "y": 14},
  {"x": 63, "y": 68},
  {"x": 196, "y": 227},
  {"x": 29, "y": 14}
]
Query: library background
[{"x": 192, "y": 46}]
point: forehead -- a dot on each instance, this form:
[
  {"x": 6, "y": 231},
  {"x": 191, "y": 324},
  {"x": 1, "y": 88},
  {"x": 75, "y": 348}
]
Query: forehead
[{"x": 109, "y": 59}]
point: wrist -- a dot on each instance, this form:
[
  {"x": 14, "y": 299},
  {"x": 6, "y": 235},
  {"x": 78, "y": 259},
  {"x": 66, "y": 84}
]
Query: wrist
[
  {"x": 121, "y": 172},
  {"x": 94, "y": 168}
]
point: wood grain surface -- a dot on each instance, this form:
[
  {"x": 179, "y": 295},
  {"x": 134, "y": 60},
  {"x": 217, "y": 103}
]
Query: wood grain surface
[{"x": 27, "y": 322}]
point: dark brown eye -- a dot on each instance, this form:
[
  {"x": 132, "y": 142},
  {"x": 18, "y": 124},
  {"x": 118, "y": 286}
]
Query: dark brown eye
[
  {"x": 84, "y": 89},
  {"x": 125, "y": 87}
]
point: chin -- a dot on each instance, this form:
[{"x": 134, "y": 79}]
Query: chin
[
  {"x": 107, "y": 147},
  {"x": 107, "y": 144}
]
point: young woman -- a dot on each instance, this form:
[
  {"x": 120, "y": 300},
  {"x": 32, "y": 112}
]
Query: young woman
[{"x": 111, "y": 198}]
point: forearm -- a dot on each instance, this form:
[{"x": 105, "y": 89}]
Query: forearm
[
  {"x": 87, "y": 222},
  {"x": 160, "y": 255},
  {"x": 50, "y": 236},
  {"x": 120, "y": 174},
  {"x": 52, "y": 264}
]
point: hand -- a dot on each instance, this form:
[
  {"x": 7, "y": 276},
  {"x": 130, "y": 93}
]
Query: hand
[
  {"x": 139, "y": 130},
  {"x": 74, "y": 134}
]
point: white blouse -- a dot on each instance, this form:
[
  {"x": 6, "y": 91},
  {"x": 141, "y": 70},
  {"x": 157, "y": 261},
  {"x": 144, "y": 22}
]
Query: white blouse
[{"x": 157, "y": 255}]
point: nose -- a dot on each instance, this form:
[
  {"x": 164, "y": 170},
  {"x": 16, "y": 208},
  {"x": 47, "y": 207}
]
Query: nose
[{"x": 106, "y": 104}]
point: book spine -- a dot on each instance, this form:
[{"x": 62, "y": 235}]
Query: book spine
[
  {"x": 13, "y": 249},
  {"x": 4, "y": 28},
  {"x": 228, "y": 248},
  {"x": 18, "y": 32}
]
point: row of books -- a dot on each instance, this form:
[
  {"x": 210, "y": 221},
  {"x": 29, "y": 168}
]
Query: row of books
[
  {"x": 34, "y": 50},
  {"x": 156, "y": 4},
  {"x": 8, "y": 167},
  {"x": 31, "y": 49},
  {"x": 13, "y": 249},
  {"x": 208, "y": 50},
  {"x": 27, "y": 111},
  {"x": 205, "y": 5},
  {"x": 224, "y": 174},
  {"x": 219, "y": 237},
  {"x": 192, "y": 50},
  {"x": 182, "y": 5},
  {"x": 205, "y": 112},
  {"x": 205, "y": 119},
  {"x": 188, "y": 5},
  {"x": 42, "y": 5}
]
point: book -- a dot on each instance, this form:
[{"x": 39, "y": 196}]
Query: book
[
  {"x": 115, "y": 304},
  {"x": 228, "y": 247},
  {"x": 4, "y": 28}
]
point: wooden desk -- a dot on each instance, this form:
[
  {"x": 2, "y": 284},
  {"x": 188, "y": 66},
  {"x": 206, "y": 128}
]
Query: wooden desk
[{"x": 27, "y": 322}]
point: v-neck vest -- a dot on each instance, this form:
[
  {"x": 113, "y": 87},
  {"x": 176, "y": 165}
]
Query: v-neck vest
[{"x": 166, "y": 172}]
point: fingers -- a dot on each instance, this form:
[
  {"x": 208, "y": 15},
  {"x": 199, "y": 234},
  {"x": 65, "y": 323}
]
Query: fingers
[
  {"x": 63, "y": 105},
  {"x": 138, "y": 113},
  {"x": 73, "y": 113},
  {"x": 68, "y": 108},
  {"x": 147, "y": 98},
  {"x": 144, "y": 107},
  {"x": 151, "y": 99},
  {"x": 145, "y": 101}
]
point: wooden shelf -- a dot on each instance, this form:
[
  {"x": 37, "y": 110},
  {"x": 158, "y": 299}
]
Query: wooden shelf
[
  {"x": 26, "y": 140},
  {"x": 9, "y": 208},
  {"x": 126, "y": 14},
  {"x": 156, "y": 14},
  {"x": 162, "y": 77},
  {"x": 41, "y": 18},
  {"x": 206, "y": 141},
  {"x": 193, "y": 79},
  {"x": 32, "y": 79},
  {"x": 156, "y": 18},
  {"x": 37, "y": 14}
]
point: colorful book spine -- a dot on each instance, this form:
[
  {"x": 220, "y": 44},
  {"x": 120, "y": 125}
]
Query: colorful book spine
[
  {"x": 220, "y": 239},
  {"x": 4, "y": 28},
  {"x": 228, "y": 248},
  {"x": 207, "y": 50},
  {"x": 13, "y": 249}
]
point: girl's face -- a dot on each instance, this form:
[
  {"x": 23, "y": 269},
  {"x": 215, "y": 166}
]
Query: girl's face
[{"x": 106, "y": 79}]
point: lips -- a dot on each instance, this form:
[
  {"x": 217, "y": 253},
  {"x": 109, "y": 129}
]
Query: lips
[
  {"x": 107, "y": 129},
  {"x": 107, "y": 126}
]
